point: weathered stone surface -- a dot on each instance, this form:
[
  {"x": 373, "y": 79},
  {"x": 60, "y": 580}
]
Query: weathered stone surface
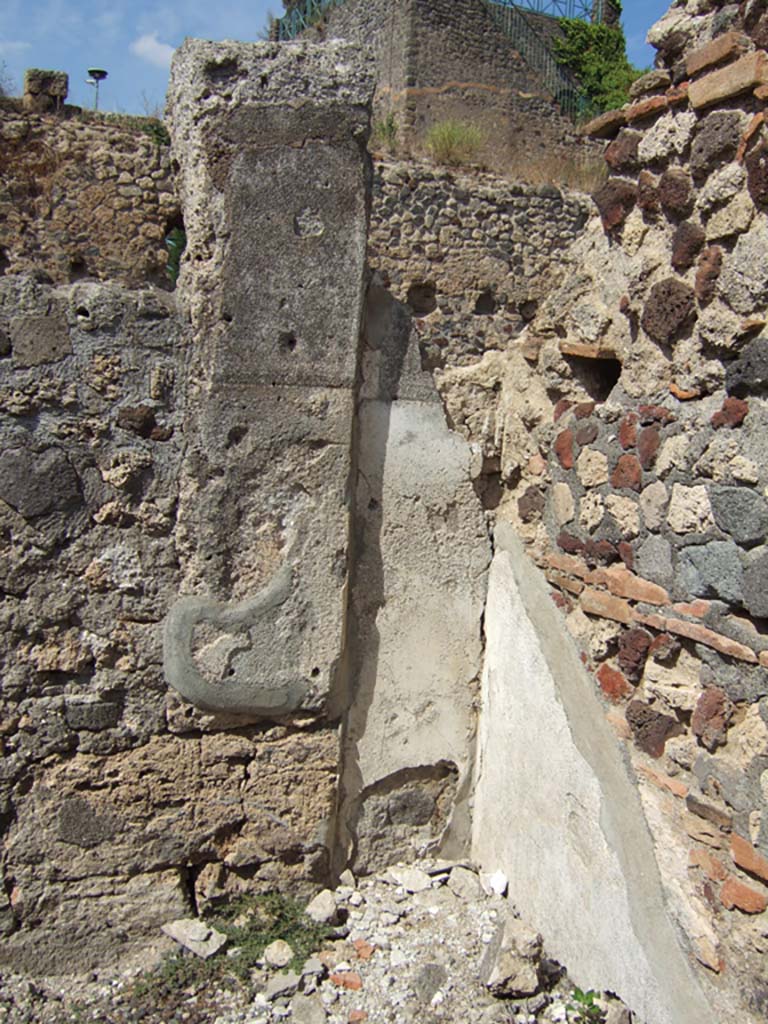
[
  {"x": 613, "y": 684},
  {"x": 604, "y": 126},
  {"x": 744, "y": 280},
  {"x": 711, "y": 716},
  {"x": 675, "y": 192},
  {"x": 562, "y": 503},
  {"x": 633, "y": 650},
  {"x": 670, "y": 135},
  {"x": 648, "y": 194},
  {"x": 668, "y": 309},
  {"x": 689, "y": 509},
  {"x": 755, "y": 585},
  {"x": 196, "y": 936},
  {"x": 686, "y": 244},
  {"x": 307, "y": 1009},
  {"x": 464, "y": 883},
  {"x": 592, "y": 467},
  {"x": 38, "y": 483},
  {"x": 625, "y": 513},
  {"x": 732, "y": 219},
  {"x": 322, "y": 908},
  {"x": 653, "y": 561},
  {"x": 741, "y": 512},
  {"x": 510, "y": 965},
  {"x": 756, "y": 163},
  {"x": 36, "y": 340},
  {"x": 621, "y": 154},
  {"x": 650, "y": 728},
  {"x": 712, "y": 570},
  {"x": 749, "y": 373},
  {"x": 615, "y": 200},
  {"x": 652, "y": 81},
  {"x": 707, "y": 274},
  {"x": 278, "y": 953},
  {"x": 653, "y": 501},
  {"x": 716, "y": 140}
]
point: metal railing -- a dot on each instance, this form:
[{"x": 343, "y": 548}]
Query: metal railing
[
  {"x": 586, "y": 9},
  {"x": 538, "y": 55}
]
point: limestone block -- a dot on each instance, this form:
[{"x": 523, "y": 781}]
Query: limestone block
[
  {"x": 276, "y": 232},
  {"x": 625, "y": 512},
  {"x": 669, "y": 136},
  {"x": 581, "y": 866},
  {"x": 744, "y": 280},
  {"x": 562, "y": 503},
  {"x": 732, "y": 219},
  {"x": 592, "y": 467}
]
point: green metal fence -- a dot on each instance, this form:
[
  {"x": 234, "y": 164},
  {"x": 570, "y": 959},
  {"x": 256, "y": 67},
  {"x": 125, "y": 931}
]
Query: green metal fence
[
  {"x": 301, "y": 16},
  {"x": 537, "y": 53}
]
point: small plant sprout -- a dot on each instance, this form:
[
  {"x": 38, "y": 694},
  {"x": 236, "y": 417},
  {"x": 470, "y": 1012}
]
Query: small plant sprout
[{"x": 584, "y": 1008}]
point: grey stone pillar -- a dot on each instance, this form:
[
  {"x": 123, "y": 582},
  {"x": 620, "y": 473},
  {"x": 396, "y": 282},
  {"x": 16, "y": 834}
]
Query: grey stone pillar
[{"x": 274, "y": 179}]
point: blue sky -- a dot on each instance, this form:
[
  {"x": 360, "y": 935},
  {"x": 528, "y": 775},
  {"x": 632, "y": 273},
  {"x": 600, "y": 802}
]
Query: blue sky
[{"x": 134, "y": 40}]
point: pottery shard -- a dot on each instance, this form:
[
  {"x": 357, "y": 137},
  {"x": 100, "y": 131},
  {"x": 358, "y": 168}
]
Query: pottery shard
[
  {"x": 651, "y": 729},
  {"x": 686, "y": 244},
  {"x": 615, "y": 201},
  {"x": 675, "y": 193},
  {"x": 621, "y": 154},
  {"x": 669, "y": 307},
  {"x": 707, "y": 273},
  {"x": 510, "y": 966},
  {"x": 711, "y": 717},
  {"x": 716, "y": 141}
]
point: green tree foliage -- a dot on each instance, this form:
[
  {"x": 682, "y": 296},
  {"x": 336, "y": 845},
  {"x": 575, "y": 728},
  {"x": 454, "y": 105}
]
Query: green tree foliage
[{"x": 596, "y": 56}]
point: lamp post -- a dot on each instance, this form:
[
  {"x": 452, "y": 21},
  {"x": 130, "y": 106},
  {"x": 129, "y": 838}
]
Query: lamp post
[{"x": 96, "y": 75}]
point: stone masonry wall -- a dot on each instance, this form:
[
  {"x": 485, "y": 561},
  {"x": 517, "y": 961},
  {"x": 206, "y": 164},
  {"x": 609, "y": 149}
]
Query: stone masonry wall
[
  {"x": 438, "y": 60},
  {"x": 83, "y": 198},
  {"x": 629, "y": 422}
]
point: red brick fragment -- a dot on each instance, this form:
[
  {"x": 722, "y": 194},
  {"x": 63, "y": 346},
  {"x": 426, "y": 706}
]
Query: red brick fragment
[
  {"x": 612, "y": 683},
  {"x": 712, "y": 866},
  {"x": 563, "y": 447},
  {"x": 735, "y": 895},
  {"x": 363, "y": 949},
  {"x": 655, "y": 414},
  {"x": 748, "y": 859},
  {"x": 584, "y": 409},
  {"x": 648, "y": 442},
  {"x": 615, "y": 201},
  {"x": 626, "y": 554},
  {"x": 567, "y": 542},
  {"x": 347, "y": 979},
  {"x": 646, "y": 108},
  {"x": 628, "y": 431},
  {"x": 628, "y": 473},
  {"x": 561, "y": 407},
  {"x": 355, "y": 1016},
  {"x": 732, "y": 414}
]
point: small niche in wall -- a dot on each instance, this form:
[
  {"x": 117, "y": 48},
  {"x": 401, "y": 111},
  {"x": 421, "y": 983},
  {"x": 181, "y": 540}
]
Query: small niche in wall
[
  {"x": 485, "y": 304},
  {"x": 175, "y": 243},
  {"x": 422, "y": 298},
  {"x": 598, "y": 376}
]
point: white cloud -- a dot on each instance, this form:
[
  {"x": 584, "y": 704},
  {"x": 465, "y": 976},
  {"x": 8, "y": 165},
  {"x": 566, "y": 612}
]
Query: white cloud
[
  {"x": 10, "y": 46},
  {"x": 149, "y": 48}
]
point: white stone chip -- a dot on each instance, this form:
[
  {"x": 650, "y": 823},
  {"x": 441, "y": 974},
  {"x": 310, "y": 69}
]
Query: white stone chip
[{"x": 196, "y": 936}]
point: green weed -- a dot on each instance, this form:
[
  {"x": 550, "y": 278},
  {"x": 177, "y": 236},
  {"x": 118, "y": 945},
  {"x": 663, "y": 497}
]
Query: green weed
[
  {"x": 584, "y": 1007},
  {"x": 454, "y": 142}
]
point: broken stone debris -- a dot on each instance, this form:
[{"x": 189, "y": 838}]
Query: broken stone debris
[{"x": 196, "y": 936}]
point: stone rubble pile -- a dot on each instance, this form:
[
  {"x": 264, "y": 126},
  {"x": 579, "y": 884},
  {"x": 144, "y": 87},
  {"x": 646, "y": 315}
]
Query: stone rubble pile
[{"x": 432, "y": 941}]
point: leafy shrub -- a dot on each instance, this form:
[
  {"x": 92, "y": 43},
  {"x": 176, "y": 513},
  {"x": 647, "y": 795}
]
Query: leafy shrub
[
  {"x": 454, "y": 142},
  {"x": 596, "y": 56}
]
